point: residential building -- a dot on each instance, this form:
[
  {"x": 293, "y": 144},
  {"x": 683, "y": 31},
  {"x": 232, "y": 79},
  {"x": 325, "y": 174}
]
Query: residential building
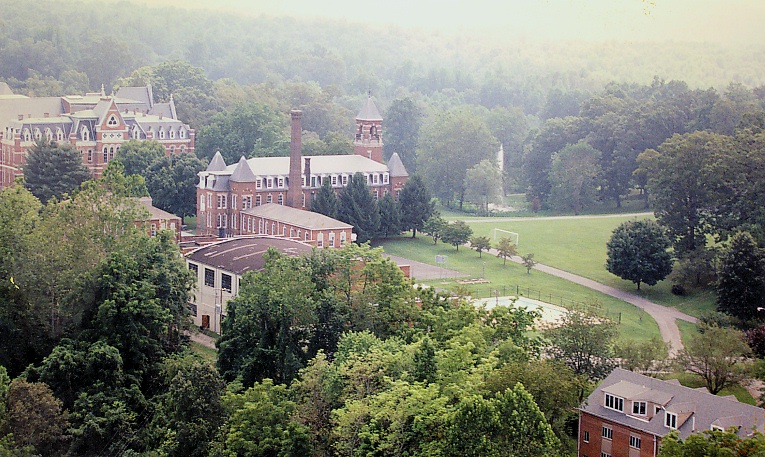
[
  {"x": 219, "y": 267},
  {"x": 95, "y": 124},
  {"x": 158, "y": 219},
  {"x": 628, "y": 414},
  {"x": 311, "y": 228},
  {"x": 226, "y": 192}
]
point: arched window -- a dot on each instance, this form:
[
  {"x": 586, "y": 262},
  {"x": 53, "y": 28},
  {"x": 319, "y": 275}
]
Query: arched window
[
  {"x": 59, "y": 135},
  {"x": 161, "y": 133},
  {"x": 342, "y": 238},
  {"x": 182, "y": 132},
  {"x": 38, "y": 135},
  {"x": 48, "y": 135},
  {"x": 27, "y": 136},
  {"x": 172, "y": 133},
  {"x": 106, "y": 154},
  {"x": 111, "y": 153},
  {"x": 172, "y": 149},
  {"x": 183, "y": 149},
  {"x": 136, "y": 133},
  {"x": 85, "y": 133}
]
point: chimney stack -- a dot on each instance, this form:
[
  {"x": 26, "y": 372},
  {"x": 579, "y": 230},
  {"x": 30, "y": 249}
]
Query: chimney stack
[{"x": 295, "y": 188}]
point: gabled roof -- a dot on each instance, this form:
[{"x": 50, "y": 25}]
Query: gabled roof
[
  {"x": 5, "y": 89},
  {"x": 155, "y": 212},
  {"x": 297, "y": 217},
  {"x": 141, "y": 94},
  {"x": 396, "y": 167},
  {"x": 242, "y": 172},
  {"x": 705, "y": 409},
  {"x": 217, "y": 163},
  {"x": 35, "y": 107},
  {"x": 369, "y": 111}
]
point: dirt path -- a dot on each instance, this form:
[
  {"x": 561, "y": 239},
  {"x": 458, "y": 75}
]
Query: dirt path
[{"x": 202, "y": 339}]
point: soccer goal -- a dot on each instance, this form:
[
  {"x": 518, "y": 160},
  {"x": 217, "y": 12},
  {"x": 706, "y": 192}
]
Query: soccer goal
[{"x": 514, "y": 237}]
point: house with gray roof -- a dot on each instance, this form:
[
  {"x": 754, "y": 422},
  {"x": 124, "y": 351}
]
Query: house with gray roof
[
  {"x": 629, "y": 413},
  {"x": 226, "y": 192},
  {"x": 96, "y": 124},
  {"x": 219, "y": 267}
]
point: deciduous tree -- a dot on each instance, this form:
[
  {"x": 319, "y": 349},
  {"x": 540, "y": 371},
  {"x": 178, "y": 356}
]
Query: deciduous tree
[
  {"x": 715, "y": 355},
  {"x": 480, "y": 244},
  {"x": 483, "y": 184},
  {"x": 638, "y": 251},
  {"x": 456, "y": 233},
  {"x": 506, "y": 249},
  {"x": 583, "y": 341},
  {"x": 740, "y": 283}
]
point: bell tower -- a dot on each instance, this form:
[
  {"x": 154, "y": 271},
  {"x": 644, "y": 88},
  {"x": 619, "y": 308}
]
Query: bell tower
[{"x": 368, "y": 142}]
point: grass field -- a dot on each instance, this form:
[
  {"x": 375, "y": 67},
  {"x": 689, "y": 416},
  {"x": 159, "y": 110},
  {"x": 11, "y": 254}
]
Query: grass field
[
  {"x": 578, "y": 245},
  {"x": 635, "y": 323},
  {"x": 208, "y": 354}
]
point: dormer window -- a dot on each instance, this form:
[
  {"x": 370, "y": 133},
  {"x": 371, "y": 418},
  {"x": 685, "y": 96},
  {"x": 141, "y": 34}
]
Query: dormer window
[
  {"x": 182, "y": 133},
  {"x": 38, "y": 135},
  {"x": 48, "y": 135},
  {"x": 670, "y": 420},
  {"x": 172, "y": 134},
  {"x": 614, "y": 402},
  {"x": 112, "y": 122},
  {"x": 85, "y": 134},
  {"x": 161, "y": 133},
  {"x": 136, "y": 133},
  {"x": 716, "y": 428},
  {"x": 27, "y": 135},
  {"x": 59, "y": 135},
  {"x": 639, "y": 408}
]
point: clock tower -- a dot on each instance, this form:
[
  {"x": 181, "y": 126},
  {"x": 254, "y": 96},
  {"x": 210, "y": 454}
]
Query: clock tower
[{"x": 368, "y": 142}]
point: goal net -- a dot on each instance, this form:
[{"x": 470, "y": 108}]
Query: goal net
[{"x": 499, "y": 233}]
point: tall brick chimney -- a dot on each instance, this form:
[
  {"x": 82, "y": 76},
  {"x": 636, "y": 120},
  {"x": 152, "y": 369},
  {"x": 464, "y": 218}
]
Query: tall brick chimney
[{"x": 295, "y": 188}]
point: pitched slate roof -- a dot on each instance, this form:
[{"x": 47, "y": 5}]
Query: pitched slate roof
[
  {"x": 5, "y": 89},
  {"x": 297, "y": 217},
  {"x": 242, "y": 172},
  {"x": 36, "y": 107},
  {"x": 320, "y": 165},
  {"x": 217, "y": 163},
  {"x": 240, "y": 255},
  {"x": 155, "y": 212},
  {"x": 696, "y": 410},
  {"x": 369, "y": 111},
  {"x": 396, "y": 166}
]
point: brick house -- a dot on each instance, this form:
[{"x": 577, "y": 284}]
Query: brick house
[
  {"x": 225, "y": 192},
  {"x": 95, "y": 124},
  {"x": 628, "y": 414}
]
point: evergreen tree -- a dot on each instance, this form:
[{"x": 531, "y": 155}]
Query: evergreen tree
[
  {"x": 741, "y": 278},
  {"x": 325, "y": 202},
  {"x": 416, "y": 205},
  {"x": 52, "y": 171},
  {"x": 359, "y": 208},
  {"x": 390, "y": 216}
]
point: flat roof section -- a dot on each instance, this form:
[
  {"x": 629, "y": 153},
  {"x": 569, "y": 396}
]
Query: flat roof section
[{"x": 240, "y": 255}]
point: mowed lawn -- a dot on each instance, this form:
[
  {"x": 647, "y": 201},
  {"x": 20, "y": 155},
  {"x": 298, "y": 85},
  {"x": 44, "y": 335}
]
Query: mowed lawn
[
  {"x": 635, "y": 323},
  {"x": 578, "y": 245}
]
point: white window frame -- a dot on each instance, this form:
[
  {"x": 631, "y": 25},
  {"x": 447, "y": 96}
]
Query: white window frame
[
  {"x": 221, "y": 201},
  {"x": 638, "y": 406},
  {"x": 635, "y": 442},
  {"x": 670, "y": 420},
  {"x": 607, "y": 433},
  {"x": 613, "y": 402}
]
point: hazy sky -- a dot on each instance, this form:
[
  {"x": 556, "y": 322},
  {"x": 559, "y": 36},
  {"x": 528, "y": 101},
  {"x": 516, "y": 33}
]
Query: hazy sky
[{"x": 620, "y": 20}]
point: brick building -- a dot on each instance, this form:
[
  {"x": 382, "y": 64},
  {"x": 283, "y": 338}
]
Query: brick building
[
  {"x": 226, "y": 192},
  {"x": 628, "y": 414},
  {"x": 312, "y": 228},
  {"x": 95, "y": 124},
  {"x": 158, "y": 219}
]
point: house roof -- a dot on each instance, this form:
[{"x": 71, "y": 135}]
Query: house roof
[
  {"x": 297, "y": 217},
  {"x": 141, "y": 94},
  {"x": 217, "y": 163},
  {"x": 705, "y": 409},
  {"x": 320, "y": 165},
  {"x": 242, "y": 172},
  {"x": 240, "y": 255},
  {"x": 396, "y": 166},
  {"x": 35, "y": 107},
  {"x": 369, "y": 111},
  {"x": 155, "y": 212},
  {"x": 5, "y": 89}
]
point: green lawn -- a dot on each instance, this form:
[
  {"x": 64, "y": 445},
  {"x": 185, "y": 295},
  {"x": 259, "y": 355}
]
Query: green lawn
[
  {"x": 579, "y": 246},
  {"x": 635, "y": 323},
  {"x": 208, "y": 354}
]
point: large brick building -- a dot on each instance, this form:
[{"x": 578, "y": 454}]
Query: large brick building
[
  {"x": 96, "y": 124},
  {"x": 226, "y": 192},
  {"x": 628, "y": 414}
]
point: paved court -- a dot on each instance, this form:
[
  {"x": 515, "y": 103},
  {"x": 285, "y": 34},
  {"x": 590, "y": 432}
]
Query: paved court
[{"x": 423, "y": 271}]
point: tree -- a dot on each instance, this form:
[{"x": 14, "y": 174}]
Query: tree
[
  {"x": 390, "y": 216},
  {"x": 51, "y": 171},
  {"x": 35, "y": 418},
  {"x": 137, "y": 156},
  {"x": 172, "y": 183},
  {"x": 402, "y": 131},
  {"x": 638, "y": 252},
  {"x": 434, "y": 227},
  {"x": 574, "y": 177},
  {"x": 715, "y": 355},
  {"x": 529, "y": 262},
  {"x": 483, "y": 184},
  {"x": 505, "y": 249},
  {"x": 740, "y": 284},
  {"x": 554, "y": 135},
  {"x": 480, "y": 243},
  {"x": 641, "y": 356},
  {"x": 583, "y": 341},
  {"x": 456, "y": 233},
  {"x": 252, "y": 130},
  {"x": 452, "y": 143},
  {"x": 416, "y": 205},
  {"x": 325, "y": 202},
  {"x": 358, "y": 208},
  {"x": 711, "y": 443}
]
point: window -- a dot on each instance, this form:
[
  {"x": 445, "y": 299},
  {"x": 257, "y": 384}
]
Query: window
[
  {"x": 280, "y": 199},
  {"x": 209, "y": 277},
  {"x": 613, "y": 402},
  {"x": 331, "y": 239},
  {"x": 161, "y": 133},
  {"x": 385, "y": 179},
  {"x": 182, "y": 133},
  {"x": 269, "y": 183},
  {"x": 716, "y": 428},
  {"x": 222, "y": 219},
  {"x": 657, "y": 410},
  {"x": 90, "y": 156},
  {"x": 106, "y": 154},
  {"x": 194, "y": 268},
  {"x": 136, "y": 133},
  {"x": 281, "y": 182},
  {"x": 48, "y": 135},
  {"x": 59, "y": 135},
  {"x": 313, "y": 181},
  {"x": 38, "y": 135},
  {"x": 345, "y": 180},
  {"x": 374, "y": 179},
  {"x": 257, "y": 200},
  {"x": 225, "y": 282},
  {"x": 586, "y": 436},
  {"x": 221, "y": 201},
  {"x": 604, "y": 454},
  {"x": 269, "y": 199},
  {"x": 247, "y": 202},
  {"x": 273, "y": 228},
  {"x": 639, "y": 408},
  {"x": 670, "y": 420},
  {"x": 607, "y": 433},
  {"x": 334, "y": 180},
  {"x": 284, "y": 231},
  {"x": 193, "y": 309},
  {"x": 153, "y": 230},
  {"x": 635, "y": 442},
  {"x": 84, "y": 133},
  {"x": 172, "y": 133},
  {"x": 233, "y": 202},
  {"x": 320, "y": 240},
  {"x": 306, "y": 236},
  {"x": 342, "y": 238},
  {"x": 28, "y": 137},
  {"x": 258, "y": 183}
]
